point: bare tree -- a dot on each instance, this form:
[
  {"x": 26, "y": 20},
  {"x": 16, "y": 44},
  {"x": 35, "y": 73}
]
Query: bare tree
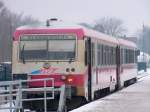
[
  {"x": 144, "y": 39},
  {"x": 8, "y": 23},
  {"x": 110, "y": 26}
]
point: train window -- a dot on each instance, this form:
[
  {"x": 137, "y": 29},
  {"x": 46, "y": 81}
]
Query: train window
[
  {"x": 111, "y": 55},
  {"x": 132, "y": 56},
  {"x": 33, "y": 49},
  {"x": 124, "y": 56},
  {"x": 93, "y": 53},
  {"x": 108, "y": 55},
  {"x": 106, "y": 51},
  {"x": 61, "y": 49},
  {"x": 103, "y": 55},
  {"x": 125, "y": 53},
  {"x": 136, "y": 56},
  {"x": 128, "y": 56},
  {"x": 99, "y": 54},
  {"x": 121, "y": 56},
  {"x": 47, "y": 47},
  {"x": 114, "y": 55}
]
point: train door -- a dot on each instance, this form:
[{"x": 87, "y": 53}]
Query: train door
[
  {"x": 88, "y": 62},
  {"x": 90, "y": 47},
  {"x": 93, "y": 68},
  {"x": 118, "y": 67}
]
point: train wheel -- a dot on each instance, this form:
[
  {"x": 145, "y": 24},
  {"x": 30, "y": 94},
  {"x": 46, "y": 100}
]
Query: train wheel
[
  {"x": 101, "y": 93},
  {"x": 75, "y": 102},
  {"x": 96, "y": 95}
]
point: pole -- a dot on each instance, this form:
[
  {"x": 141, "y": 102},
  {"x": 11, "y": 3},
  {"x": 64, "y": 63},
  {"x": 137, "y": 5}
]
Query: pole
[
  {"x": 5, "y": 74},
  {"x": 143, "y": 42}
]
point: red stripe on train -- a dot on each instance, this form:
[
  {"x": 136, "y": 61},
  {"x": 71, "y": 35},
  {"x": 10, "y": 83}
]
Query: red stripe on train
[
  {"x": 78, "y": 32},
  {"x": 73, "y": 80}
]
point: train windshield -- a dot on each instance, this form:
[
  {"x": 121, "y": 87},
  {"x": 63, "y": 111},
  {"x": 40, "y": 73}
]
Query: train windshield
[{"x": 47, "y": 47}]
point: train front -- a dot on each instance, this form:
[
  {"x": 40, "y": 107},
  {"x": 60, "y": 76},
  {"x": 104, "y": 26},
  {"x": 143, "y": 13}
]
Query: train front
[{"x": 50, "y": 52}]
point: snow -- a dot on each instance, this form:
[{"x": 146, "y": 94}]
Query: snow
[
  {"x": 5, "y": 106},
  {"x": 135, "y": 98},
  {"x": 148, "y": 71},
  {"x": 141, "y": 71},
  {"x": 144, "y": 57}
]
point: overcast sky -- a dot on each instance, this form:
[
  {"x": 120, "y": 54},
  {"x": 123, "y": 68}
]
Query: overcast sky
[{"x": 133, "y": 12}]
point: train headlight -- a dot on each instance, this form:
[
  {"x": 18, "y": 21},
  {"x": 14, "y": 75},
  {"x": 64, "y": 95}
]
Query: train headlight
[{"x": 69, "y": 79}]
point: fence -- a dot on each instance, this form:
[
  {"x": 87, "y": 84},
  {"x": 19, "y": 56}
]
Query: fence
[{"x": 14, "y": 92}]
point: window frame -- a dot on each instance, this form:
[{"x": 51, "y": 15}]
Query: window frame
[{"x": 47, "y": 60}]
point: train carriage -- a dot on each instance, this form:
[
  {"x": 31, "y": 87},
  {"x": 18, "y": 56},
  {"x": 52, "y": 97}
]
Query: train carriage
[
  {"x": 101, "y": 64},
  {"x": 128, "y": 62},
  {"x": 90, "y": 62}
]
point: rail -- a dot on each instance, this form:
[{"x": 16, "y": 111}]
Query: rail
[{"x": 13, "y": 93}]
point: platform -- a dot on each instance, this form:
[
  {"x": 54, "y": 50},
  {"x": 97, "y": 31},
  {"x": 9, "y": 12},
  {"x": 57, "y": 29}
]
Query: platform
[{"x": 134, "y": 98}]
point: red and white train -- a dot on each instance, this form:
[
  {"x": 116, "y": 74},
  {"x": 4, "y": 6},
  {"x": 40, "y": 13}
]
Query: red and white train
[{"x": 87, "y": 60}]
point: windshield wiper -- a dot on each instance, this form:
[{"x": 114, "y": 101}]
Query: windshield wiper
[{"x": 70, "y": 60}]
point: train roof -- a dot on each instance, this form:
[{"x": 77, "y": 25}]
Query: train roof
[
  {"x": 104, "y": 37},
  {"x": 53, "y": 25},
  {"x": 59, "y": 28},
  {"x": 99, "y": 35},
  {"x": 127, "y": 43},
  {"x": 81, "y": 32}
]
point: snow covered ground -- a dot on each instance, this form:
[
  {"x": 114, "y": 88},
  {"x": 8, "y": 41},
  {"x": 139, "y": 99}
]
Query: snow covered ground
[
  {"x": 135, "y": 98},
  {"x": 5, "y": 106},
  {"x": 143, "y": 74}
]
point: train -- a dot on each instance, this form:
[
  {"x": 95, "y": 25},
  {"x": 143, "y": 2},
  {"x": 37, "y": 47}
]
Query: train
[{"x": 90, "y": 62}]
